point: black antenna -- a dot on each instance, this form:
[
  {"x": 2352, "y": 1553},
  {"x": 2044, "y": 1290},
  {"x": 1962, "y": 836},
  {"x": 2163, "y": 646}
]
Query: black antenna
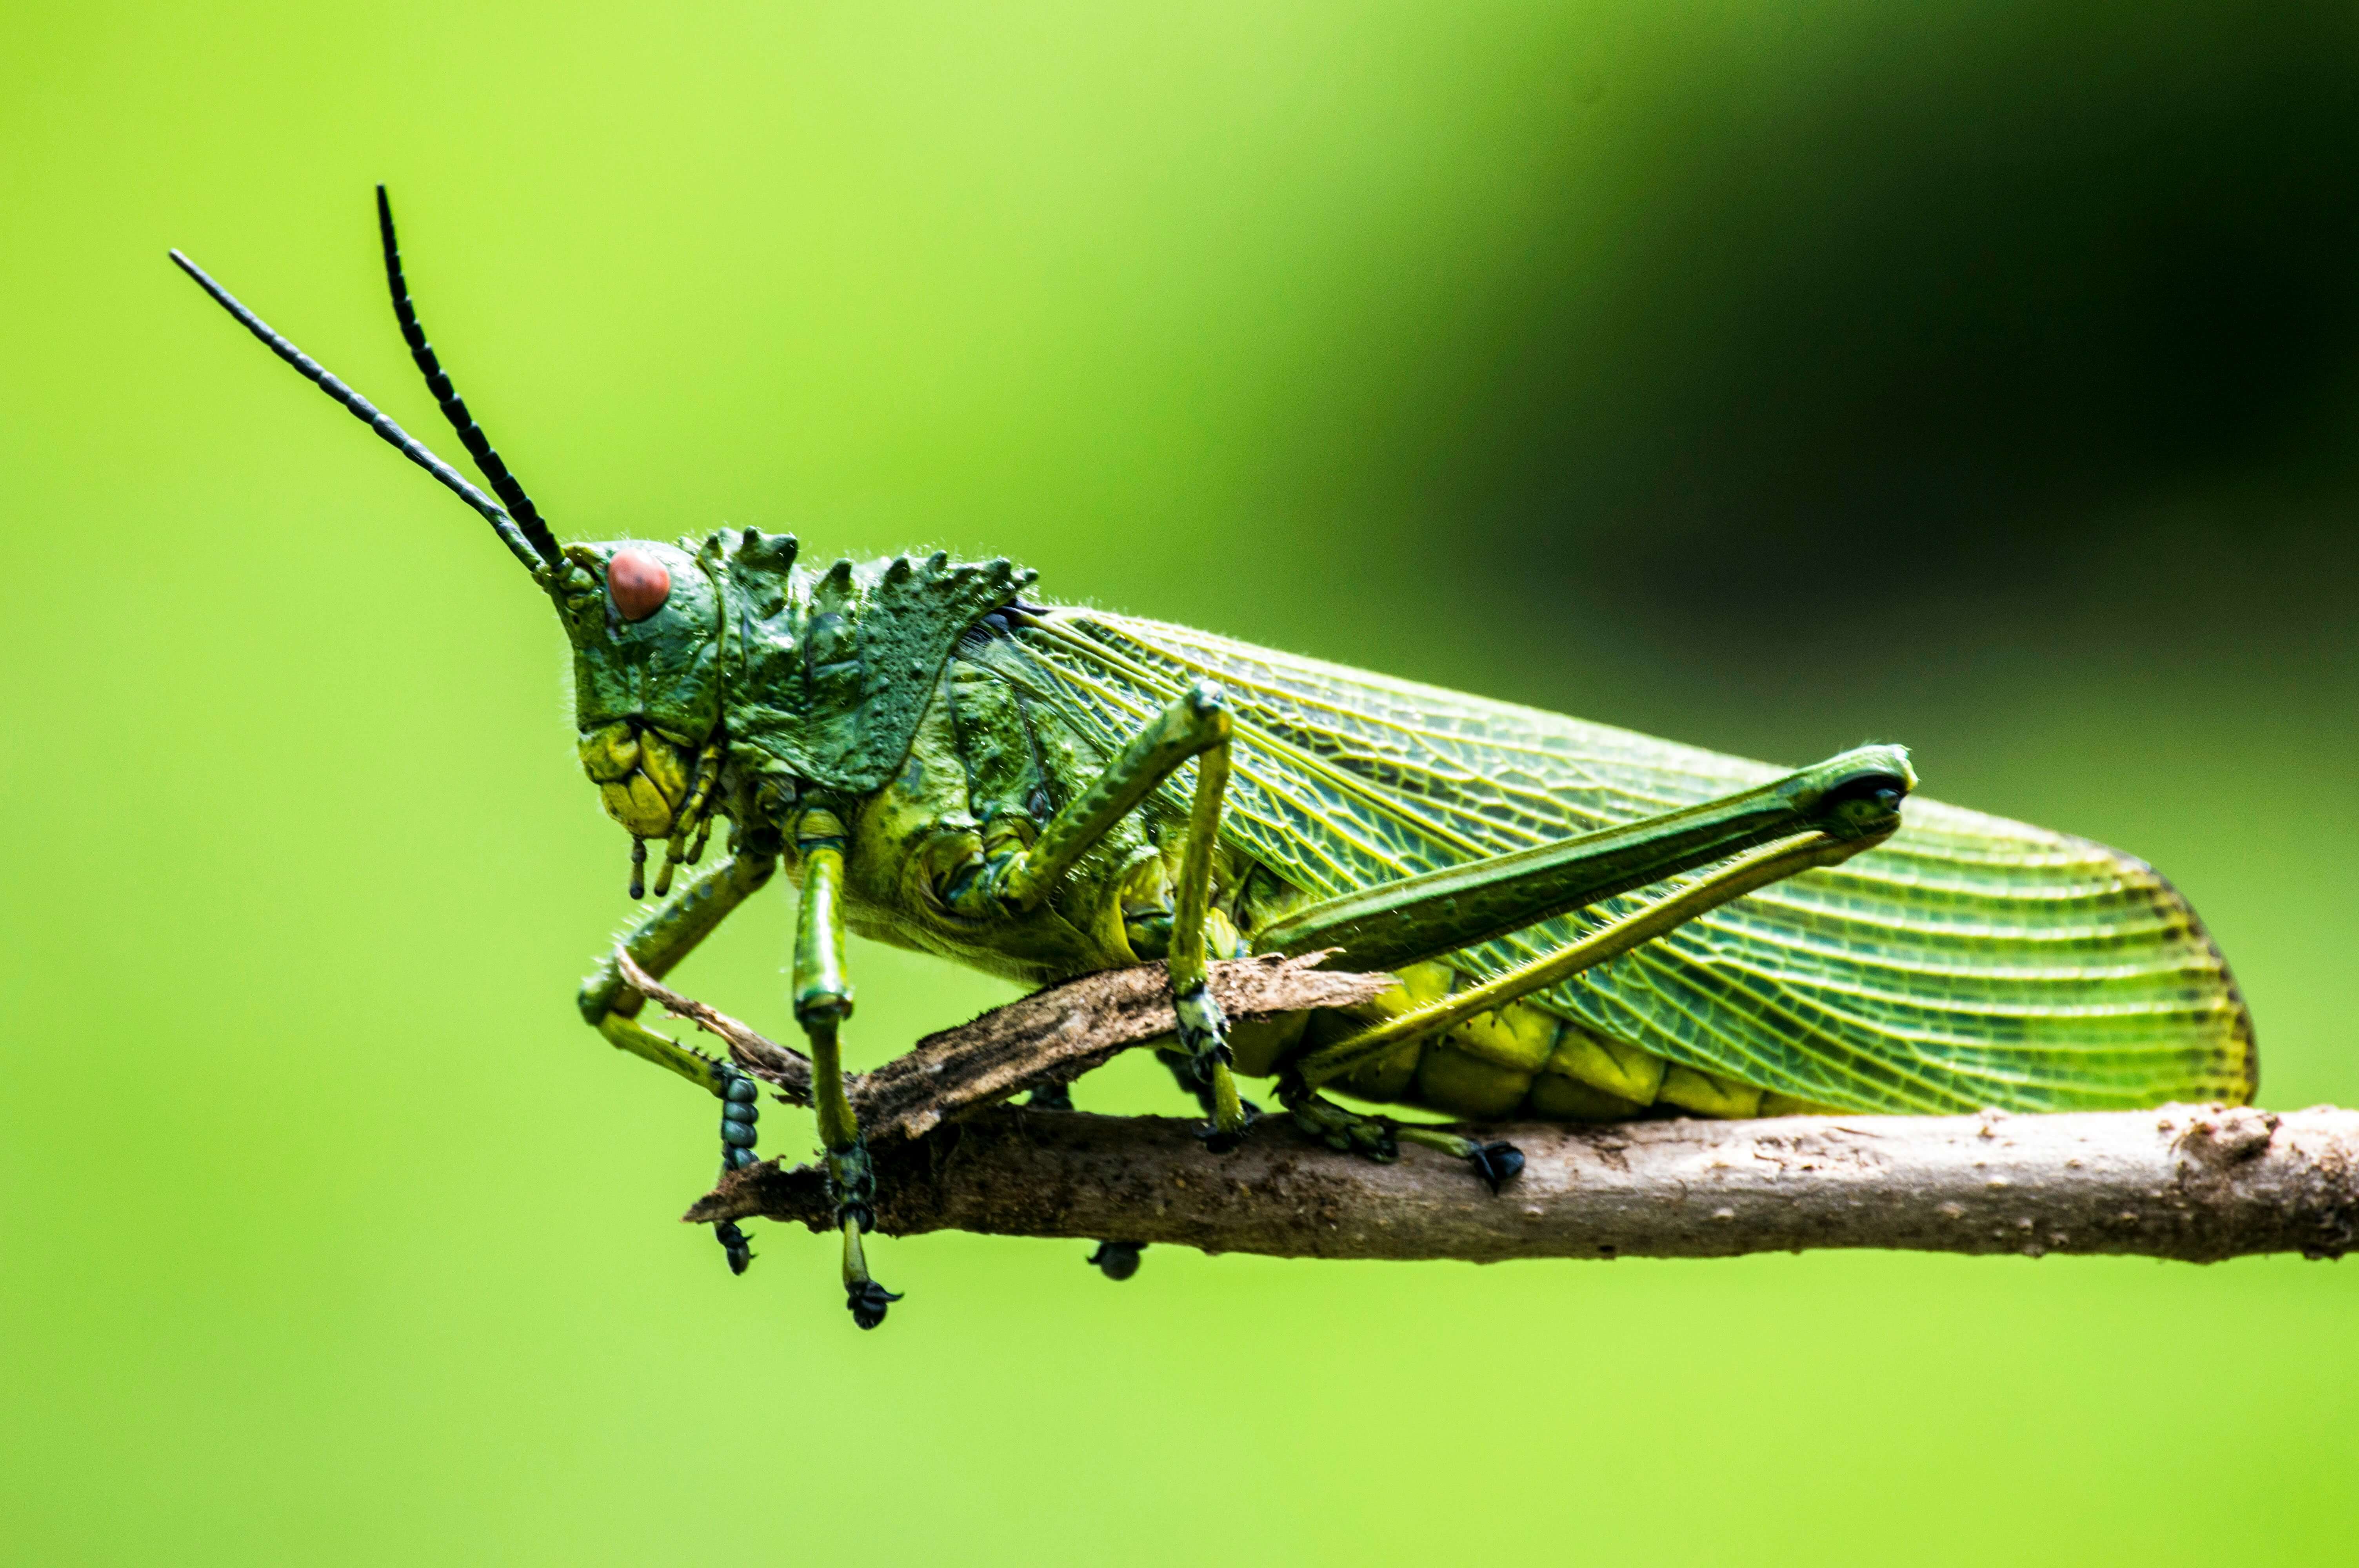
[
  {"x": 454, "y": 407},
  {"x": 367, "y": 414}
]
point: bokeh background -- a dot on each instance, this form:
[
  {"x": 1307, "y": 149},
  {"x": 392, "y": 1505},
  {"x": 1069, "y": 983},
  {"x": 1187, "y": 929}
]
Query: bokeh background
[{"x": 1981, "y": 375}]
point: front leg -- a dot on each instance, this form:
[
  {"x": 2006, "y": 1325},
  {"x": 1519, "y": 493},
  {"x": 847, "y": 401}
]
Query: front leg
[
  {"x": 658, "y": 941},
  {"x": 822, "y": 1002}
]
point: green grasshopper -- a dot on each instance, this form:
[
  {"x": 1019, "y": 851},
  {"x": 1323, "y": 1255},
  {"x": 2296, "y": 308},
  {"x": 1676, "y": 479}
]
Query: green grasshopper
[{"x": 1584, "y": 923}]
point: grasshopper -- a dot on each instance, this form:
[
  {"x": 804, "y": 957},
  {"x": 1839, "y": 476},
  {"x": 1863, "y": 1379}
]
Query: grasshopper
[{"x": 1583, "y": 923}]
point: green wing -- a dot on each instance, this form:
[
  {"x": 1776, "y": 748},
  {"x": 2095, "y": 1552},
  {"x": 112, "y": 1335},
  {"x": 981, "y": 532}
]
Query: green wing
[{"x": 1970, "y": 962}]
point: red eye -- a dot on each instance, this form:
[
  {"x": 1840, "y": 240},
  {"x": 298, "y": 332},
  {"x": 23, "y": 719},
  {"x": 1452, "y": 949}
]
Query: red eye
[{"x": 638, "y": 584}]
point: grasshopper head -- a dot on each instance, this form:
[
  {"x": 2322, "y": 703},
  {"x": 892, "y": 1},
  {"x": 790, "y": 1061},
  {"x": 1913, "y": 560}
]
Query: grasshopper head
[
  {"x": 816, "y": 676},
  {"x": 644, "y": 619},
  {"x": 821, "y": 676}
]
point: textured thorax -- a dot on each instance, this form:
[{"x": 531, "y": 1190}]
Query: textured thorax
[
  {"x": 829, "y": 672},
  {"x": 915, "y": 835}
]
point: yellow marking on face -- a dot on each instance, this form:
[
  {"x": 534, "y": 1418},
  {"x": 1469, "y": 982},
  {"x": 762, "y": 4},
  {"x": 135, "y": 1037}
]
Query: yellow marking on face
[{"x": 610, "y": 754}]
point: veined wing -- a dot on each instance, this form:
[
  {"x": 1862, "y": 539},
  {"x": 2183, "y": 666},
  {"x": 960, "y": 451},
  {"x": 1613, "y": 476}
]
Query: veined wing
[{"x": 1971, "y": 961}]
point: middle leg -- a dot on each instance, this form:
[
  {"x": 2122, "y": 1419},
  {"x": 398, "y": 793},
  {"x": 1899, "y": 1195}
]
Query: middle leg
[
  {"x": 822, "y": 1002},
  {"x": 1203, "y": 1028},
  {"x": 1196, "y": 726}
]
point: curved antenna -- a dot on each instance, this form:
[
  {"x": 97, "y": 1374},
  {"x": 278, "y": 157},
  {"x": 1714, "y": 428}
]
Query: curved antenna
[
  {"x": 367, "y": 414},
  {"x": 454, "y": 407}
]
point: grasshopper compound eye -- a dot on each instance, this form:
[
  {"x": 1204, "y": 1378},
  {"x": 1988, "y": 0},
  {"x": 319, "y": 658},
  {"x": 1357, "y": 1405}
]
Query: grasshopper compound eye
[{"x": 638, "y": 584}]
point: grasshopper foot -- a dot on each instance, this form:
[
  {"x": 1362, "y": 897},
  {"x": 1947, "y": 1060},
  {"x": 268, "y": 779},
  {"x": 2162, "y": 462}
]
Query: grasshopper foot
[
  {"x": 1050, "y": 1097},
  {"x": 1116, "y": 1260},
  {"x": 1497, "y": 1163},
  {"x": 1345, "y": 1132},
  {"x": 867, "y": 1301},
  {"x": 1219, "y": 1141},
  {"x": 1232, "y": 1116},
  {"x": 735, "y": 1244},
  {"x": 739, "y": 1112},
  {"x": 1204, "y": 1036},
  {"x": 854, "y": 1182}
]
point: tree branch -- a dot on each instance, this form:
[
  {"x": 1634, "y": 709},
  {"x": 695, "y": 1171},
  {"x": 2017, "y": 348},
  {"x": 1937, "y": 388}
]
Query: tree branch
[
  {"x": 2197, "y": 1183},
  {"x": 2194, "y": 1183}
]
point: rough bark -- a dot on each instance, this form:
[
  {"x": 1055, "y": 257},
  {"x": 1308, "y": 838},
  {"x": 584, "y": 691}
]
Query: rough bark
[
  {"x": 2197, "y": 1183},
  {"x": 1050, "y": 1037}
]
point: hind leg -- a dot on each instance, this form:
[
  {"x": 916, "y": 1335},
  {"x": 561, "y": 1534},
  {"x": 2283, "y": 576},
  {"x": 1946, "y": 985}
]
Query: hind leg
[{"x": 1848, "y": 803}]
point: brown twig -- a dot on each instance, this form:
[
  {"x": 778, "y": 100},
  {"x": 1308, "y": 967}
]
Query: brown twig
[{"x": 2197, "y": 1183}]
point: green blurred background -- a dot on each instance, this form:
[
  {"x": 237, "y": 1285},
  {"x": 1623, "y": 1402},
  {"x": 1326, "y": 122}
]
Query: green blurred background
[{"x": 1978, "y": 375}]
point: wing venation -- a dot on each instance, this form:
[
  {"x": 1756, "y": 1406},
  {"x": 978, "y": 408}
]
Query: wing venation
[{"x": 1972, "y": 961}]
